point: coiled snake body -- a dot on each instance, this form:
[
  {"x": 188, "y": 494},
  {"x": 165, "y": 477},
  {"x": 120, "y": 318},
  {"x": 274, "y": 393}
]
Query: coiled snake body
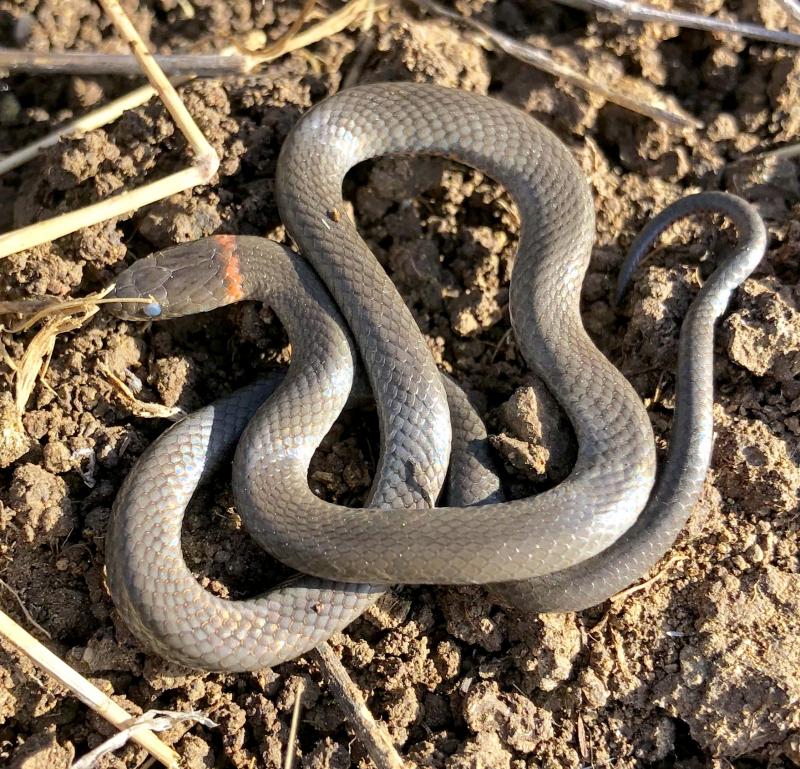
[{"x": 565, "y": 549}]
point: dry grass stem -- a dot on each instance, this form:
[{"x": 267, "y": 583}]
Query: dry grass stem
[
  {"x": 630, "y": 9},
  {"x": 61, "y": 317},
  {"x": 24, "y": 609},
  {"x": 369, "y": 15},
  {"x": 152, "y": 721},
  {"x": 786, "y": 152},
  {"x": 89, "y": 122},
  {"x": 117, "y": 205},
  {"x": 36, "y": 310},
  {"x": 545, "y": 61},
  {"x": 231, "y": 61},
  {"x": 331, "y": 25},
  {"x": 278, "y": 46},
  {"x": 205, "y": 155},
  {"x": 135, "y": 406},
  {"x": 85, "y": 691},
  {"x": 206, "y": 160},
  {"x": 291, "y": 742},
  {"x": 792, "y": 7}
]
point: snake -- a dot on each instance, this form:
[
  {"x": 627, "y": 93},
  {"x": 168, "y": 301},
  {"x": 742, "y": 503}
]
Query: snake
[{"x": 564, "y": 549}]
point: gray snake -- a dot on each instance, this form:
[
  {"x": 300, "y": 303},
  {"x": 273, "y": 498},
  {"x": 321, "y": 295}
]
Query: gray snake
[{"x": 567, "y": 548}]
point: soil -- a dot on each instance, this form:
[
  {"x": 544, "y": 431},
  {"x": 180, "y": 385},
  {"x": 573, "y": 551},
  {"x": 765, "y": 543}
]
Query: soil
[{"x": 700, "y": 667}]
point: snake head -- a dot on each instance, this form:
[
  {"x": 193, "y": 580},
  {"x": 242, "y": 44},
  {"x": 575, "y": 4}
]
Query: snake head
[{"x": 182, "y": 280}]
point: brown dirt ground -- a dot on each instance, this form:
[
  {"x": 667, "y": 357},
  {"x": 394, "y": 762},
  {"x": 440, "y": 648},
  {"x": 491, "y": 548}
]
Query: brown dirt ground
[{"x": 699, "y": 669}]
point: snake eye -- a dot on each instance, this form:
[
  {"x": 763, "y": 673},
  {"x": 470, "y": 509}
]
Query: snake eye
[{"x": 152, "y": 310}]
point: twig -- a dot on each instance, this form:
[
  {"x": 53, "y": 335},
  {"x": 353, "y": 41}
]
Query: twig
[
  {"x": 629, "y": 9},
  {"x": 617, "y": 600},
  {"x": 206, "y": 160},
  {"x": 372, "y": 735},
  {"x": 619, "y": 651},
  {"x": 211, "y": 65},
  {"x": 85, "y": 691},
  {"x": 75, "y": 63},
  {"x": 646, "y": 584},
  {"x": 581, "y": 730},
  {"x": 544, "y": 61},
  {"x": 140, "y": 408},
  {"x": 503, "y": 339}
]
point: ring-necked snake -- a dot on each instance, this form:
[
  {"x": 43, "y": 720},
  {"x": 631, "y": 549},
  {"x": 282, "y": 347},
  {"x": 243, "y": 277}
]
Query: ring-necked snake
[{"x": 564, "y": 549}]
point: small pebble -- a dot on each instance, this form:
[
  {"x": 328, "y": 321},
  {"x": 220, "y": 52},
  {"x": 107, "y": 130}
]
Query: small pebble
[
  {"x": 755, "y": 554},
  {"x": 740, "y": 562},
  {"x": 9, "y": 108},
  {"x": 23, "y": 28}
]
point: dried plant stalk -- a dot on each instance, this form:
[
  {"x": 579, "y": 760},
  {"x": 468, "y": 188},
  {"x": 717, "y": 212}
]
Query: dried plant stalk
[
  {"x": 231, "y": 61},
  {"x": 373, "y": 736},
  {"x": 545, "y": 61},
  {"x": 140, "y": 408},
  {"x": 85, "y": 691},
  {"x": 100, "y": 117},
  {"x": 80, "y": 63},
  {"x": 206, "y": 160},
  {"x": 635, "y": 11}
]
